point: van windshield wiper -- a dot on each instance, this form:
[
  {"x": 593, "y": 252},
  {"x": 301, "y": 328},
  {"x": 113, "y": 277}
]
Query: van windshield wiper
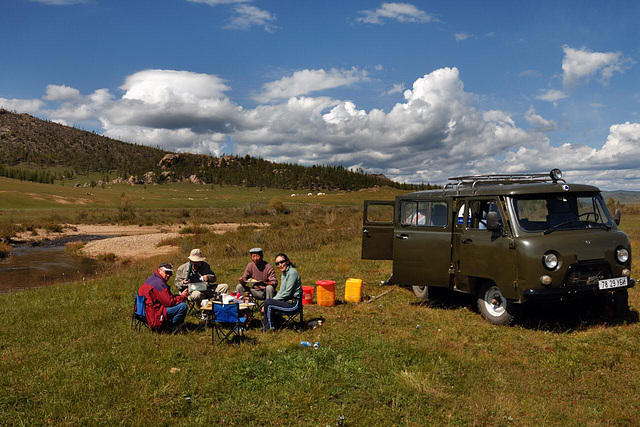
[
  {"x": 601, "y": 225},
  {"x": 555, "y": 227},
  {"x": 590, "y": 225}
]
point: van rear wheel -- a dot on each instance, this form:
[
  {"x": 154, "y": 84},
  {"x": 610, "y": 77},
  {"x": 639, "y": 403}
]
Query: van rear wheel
[
  {"x": 421, "y": 291},
  {"x": 493, "y": 306}
]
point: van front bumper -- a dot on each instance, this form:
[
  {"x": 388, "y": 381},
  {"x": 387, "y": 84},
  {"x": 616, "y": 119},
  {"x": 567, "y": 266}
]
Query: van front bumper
[{"x": 569, "y": 291}]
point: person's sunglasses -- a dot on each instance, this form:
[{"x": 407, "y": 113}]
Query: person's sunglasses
[{"x": 281, "y": 262}]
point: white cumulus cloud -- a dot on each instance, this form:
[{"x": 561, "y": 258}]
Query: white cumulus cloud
[
  {"x": 396, "y": 88},
  {"x": 435, "y": 132},
  {"x": 401, "y": 12},
  {"x": 173, "y": 99},
  {"x": 31, "y": 106},
  {"x": 436, "y": 127},
  {"x": 244, "y": 17},
  {"x": 306, "y": 81},
  {"x": 166, "y": 86},
  {"x": 613, "y": 166},
  {"x": 61, "y": 93},
  {"x": 582, "y": 64},
  {"x": 538, "y": 122},
  {"x": 552, "y": 95},
  {"x": 462, "y": 36}
]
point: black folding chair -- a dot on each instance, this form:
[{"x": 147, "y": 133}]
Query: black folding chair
[
  {"x": 138, "y": 317},
  {"x": 226, "y": 323},
  {"x": 289, "y": 318},
  {"x": 192, "y": 308}
]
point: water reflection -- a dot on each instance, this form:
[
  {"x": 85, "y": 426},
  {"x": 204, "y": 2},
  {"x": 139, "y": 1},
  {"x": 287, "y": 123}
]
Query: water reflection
[{"x": 35, "y": 266}]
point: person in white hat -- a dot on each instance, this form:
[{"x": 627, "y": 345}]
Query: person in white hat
[{"x": 197, "y": 270}]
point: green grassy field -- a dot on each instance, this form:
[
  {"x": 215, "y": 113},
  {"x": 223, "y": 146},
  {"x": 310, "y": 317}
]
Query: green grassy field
[
  {"x": 69, "y": 356},
  {"x": 35, "y": 205}
]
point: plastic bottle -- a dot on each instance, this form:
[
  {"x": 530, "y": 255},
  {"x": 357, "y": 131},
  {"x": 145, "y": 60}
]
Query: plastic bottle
[{"x": 305, "y": 343}]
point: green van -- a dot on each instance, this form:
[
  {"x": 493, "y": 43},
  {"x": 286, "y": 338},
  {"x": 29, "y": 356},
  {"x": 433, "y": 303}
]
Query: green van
[{"x": 506, "y": 239}]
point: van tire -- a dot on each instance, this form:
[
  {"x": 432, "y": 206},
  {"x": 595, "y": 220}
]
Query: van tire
[
  {"x": 620, "y": 302},
  {"x": 421, "y": 291},
  {"x": 493, "y": 306}
]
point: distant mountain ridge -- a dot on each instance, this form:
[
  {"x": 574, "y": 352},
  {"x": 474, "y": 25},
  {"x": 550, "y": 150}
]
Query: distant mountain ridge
[
  {"x": 625, "y": 197},
  {"x": 27, "y": 141}
]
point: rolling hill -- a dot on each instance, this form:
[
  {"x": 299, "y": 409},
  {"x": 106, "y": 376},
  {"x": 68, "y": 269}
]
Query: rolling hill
[{"x": 38, "y": 150}]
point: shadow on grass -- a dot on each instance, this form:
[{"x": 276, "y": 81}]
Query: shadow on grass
[
  {"x": 558, "y": 317},
  {"x": 444, "y": 299},
  {"x": 571, "y": 316}
]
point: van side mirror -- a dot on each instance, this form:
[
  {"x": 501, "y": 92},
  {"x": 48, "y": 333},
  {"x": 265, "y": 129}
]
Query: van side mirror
[
  {"x": 616, "y": 216},
  {"x": 493, "y": 221}
]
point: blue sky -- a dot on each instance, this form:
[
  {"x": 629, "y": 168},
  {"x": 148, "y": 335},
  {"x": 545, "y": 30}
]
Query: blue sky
[{"x": 419, "y": 91}]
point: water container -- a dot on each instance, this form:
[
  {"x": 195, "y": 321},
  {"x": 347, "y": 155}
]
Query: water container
[
  {"x": 307, "y": 295},
  {"x": 326, "y": 293},
  {"x": 353, "y": 290}
]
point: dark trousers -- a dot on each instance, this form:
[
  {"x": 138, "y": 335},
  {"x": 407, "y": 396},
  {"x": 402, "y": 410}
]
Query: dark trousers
[{"x": 274, "y": 307}]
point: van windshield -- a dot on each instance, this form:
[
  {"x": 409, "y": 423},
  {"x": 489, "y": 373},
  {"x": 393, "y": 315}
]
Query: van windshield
[{"x": 561, "y": 212}]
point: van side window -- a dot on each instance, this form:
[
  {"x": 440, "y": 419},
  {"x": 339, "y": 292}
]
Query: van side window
[
  {"x": 380, "y": 213},
  {"x": 423, "y": 214},
  {"x": 439, "y": 214},
  {"x": 478, "y": 210},
  {"x": 460, "y": 221}
]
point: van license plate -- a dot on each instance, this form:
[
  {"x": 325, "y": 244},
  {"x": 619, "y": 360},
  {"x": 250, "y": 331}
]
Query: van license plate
[{"x": 618, "y": 282}]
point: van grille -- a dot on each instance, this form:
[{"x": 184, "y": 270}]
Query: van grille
[{"x": 587, "y": 273}]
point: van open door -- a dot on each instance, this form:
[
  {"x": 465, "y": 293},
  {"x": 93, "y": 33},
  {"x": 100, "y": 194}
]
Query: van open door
[{"x": 377, "y": 229}]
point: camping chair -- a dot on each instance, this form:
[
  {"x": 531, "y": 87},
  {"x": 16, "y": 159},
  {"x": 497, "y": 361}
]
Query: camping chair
[
  {"x": 138, "y": 317},
  {"x": 192, "y": 309},
  {"x": 289, "y": 319},
  {"x": 226, "y": 323},
  {"x": 259, "y": 303}
]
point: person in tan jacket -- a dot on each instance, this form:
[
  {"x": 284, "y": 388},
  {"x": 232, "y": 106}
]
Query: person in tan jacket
[{"x": 197, "y": 270}]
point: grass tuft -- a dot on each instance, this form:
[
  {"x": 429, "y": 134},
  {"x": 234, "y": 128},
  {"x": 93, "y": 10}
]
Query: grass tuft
[{"x": 74, "y": 247}]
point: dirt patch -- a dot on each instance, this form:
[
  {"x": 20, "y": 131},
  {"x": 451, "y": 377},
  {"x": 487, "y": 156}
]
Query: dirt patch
[
  {"x": 128, "y": 241},
  {"x": 130, "y": 247},
  {"x": 35, "y": 196}
]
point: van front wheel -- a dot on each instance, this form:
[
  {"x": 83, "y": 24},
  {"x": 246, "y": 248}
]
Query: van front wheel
[
  {"x": 421, "y": 291},
  {"x": 493, "y": 306}
]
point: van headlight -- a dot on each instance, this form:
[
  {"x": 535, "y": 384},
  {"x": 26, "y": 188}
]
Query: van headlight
[
  {"x": 622, "y": 255},
  {"x": 550, "y": 261}
]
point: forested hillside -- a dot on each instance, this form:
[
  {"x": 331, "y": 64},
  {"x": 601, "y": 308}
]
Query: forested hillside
[{"x": 29, "y": 146}]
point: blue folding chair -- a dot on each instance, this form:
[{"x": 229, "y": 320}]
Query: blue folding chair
[
  {"x": 138, "y": 317},
  {"x": 226, "y": 323}
]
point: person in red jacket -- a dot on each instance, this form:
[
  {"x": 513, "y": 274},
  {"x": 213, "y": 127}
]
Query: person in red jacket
[{"x": 164, "y": 310}]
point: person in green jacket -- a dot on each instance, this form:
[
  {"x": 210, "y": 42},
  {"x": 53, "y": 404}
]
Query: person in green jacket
[{"x": 289, "y": 297}]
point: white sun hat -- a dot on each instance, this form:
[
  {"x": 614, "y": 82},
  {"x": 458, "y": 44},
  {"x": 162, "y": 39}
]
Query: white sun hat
[{"x": 196, "y": 255}]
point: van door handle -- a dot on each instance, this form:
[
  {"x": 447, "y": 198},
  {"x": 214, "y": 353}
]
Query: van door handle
[
  {"x": 467, "y": 241},
  {"x": 402, "y": 236}
]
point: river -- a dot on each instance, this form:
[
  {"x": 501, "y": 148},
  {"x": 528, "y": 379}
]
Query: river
[{"x": 35, "y": 266}]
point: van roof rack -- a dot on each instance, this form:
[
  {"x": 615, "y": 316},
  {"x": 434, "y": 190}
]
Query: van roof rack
[{"x": 471, "y": 182}]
